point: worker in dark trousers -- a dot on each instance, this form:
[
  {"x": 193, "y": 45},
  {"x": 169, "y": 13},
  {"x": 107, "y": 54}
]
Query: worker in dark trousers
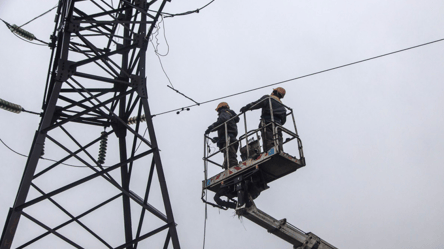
[
  {"x": 225, "y": 114},
  {"x": 279, "y": 116}
]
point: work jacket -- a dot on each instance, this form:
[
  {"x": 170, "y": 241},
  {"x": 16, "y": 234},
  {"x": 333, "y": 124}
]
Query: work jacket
[
  {"x": 224, "y": 115},
  {"x": 279, "y": 112}
]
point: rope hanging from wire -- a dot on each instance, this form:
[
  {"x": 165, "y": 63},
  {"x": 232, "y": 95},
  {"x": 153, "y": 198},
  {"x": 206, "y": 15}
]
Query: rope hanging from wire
[
  {"x": 156, "y": 51},
  {"x": 303, "y": 76},
  {"x": 205, "y": 223},
  {"x": 156, "y": 46}
]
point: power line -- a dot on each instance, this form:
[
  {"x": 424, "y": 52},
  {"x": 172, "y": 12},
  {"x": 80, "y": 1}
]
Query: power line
[
  {"x": 20, "y": 154},
  {"x": 33, "y": 19},
  {"x": 304, "y": 76},
  {"x": 44, "y": 43},
  {"x": 187, "y": 12},
  {"x": 48, "y": 159}
]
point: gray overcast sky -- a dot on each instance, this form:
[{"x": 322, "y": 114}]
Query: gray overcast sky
[{"x": 372, "y": 132}]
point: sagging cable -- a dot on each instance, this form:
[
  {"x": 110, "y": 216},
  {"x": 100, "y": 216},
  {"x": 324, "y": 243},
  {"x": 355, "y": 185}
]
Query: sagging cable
[
  {"x": 48, "y": 159},
  {"x": 8, "y": 106}
]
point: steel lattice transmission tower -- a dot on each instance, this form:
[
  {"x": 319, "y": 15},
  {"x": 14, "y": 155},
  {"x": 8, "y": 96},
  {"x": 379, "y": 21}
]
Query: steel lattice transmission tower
[{"x": 96, "y": 85}]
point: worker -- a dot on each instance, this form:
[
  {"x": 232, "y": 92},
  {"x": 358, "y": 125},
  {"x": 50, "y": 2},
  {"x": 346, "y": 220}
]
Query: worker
[
  {"x": 279, "y": 116},
  {"x": 226, "y": 114}
]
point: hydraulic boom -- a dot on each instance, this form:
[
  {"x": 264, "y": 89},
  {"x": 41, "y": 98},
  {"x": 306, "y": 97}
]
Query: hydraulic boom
[{"x": 283, "y": 229}]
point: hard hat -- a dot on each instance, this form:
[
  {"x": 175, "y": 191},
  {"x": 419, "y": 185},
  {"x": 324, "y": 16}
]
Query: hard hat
[
  {"x": 222, "y": 104},
  {"x": 280, "y": 90}
]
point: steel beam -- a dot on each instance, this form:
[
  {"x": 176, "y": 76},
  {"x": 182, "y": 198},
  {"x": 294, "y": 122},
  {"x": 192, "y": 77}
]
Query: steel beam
[{"x": 78, "y": 102}]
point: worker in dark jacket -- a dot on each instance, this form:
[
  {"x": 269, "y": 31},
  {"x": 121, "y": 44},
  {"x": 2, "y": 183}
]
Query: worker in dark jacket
[
  {"x": 226, "y": 114},
  {"x": 279, "y": 116}
]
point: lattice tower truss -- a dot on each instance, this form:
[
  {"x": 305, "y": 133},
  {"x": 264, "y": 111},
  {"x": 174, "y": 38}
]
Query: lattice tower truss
[{"x": 105, "y": 187}]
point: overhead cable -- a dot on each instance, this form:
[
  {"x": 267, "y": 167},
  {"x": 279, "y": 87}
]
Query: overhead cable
[
  {"x": 187, "y": 12},
  {"x": 305, "y": 76},
  {"x": 48, "y": 159},
  {"x": 33, "y": 19},
  {"x": 20, "y": 154},
  {"x": 26, "y": 40}
]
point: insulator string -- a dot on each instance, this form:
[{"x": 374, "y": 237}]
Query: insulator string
[
  {"x": 103, "y": 147},
  {"x": 134, "y": 120},
  {"x": 11, "y": 107},
  {"x": 15, "y": 108}
]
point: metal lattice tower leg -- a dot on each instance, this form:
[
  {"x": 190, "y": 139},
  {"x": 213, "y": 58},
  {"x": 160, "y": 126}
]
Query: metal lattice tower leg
[{"x": 96, "y": 83}]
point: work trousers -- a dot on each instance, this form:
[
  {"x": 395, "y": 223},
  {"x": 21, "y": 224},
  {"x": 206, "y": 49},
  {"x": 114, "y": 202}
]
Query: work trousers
[
  {"x": 232, "y": 155},
  {"x": 269, "y": 140}
]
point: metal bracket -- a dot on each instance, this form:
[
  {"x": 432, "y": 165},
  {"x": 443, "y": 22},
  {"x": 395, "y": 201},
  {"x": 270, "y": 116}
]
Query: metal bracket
[
  {"x": 281, "y": 223},
  {"x": 118, "y": 47},
  {"x": 312, "y": 242},
  {"x": 73, "y": 27},
  {"x": 119, "y": 129},
  {"x": 65, "y": 70},
  {"x": 140, "y": 3},
  {"x": 139, "y": 40},
  {"x": 140, "y": 84}
]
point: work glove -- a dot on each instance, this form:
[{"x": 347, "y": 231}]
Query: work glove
[
  {"x": 208, "y": 131},
  {"x": 214, "y": 139},
  {"x": 243, "y": 109}
]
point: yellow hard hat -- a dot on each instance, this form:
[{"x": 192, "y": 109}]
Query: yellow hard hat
[
  {"x": 280, "y": 90},
  {"x": 222, "y": 104}
]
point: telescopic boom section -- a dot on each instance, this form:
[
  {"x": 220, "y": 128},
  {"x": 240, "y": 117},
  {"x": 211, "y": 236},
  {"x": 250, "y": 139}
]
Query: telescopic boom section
[{"x": 283, "y": 229}]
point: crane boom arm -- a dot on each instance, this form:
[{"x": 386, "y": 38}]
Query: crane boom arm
[{"x": 283, "y": 229}]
